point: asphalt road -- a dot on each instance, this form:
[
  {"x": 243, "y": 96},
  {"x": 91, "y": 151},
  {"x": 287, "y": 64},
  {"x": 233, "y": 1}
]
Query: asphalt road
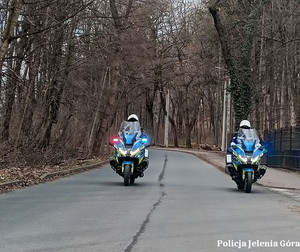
[{"x": 182, "y": 204}]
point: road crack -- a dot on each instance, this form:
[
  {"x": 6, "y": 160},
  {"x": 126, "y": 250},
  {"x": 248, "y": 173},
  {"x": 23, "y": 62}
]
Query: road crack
[
  {"x": 147, "y": 220},
  {"x": 162, "y": 174}
]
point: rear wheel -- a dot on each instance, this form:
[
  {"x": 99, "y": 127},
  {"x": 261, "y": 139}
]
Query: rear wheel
[
  {"x": 126, "y": 174},
  {"x": 248, "y": 182}
]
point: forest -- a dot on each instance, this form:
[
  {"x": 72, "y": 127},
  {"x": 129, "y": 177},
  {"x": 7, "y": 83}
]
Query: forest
[{"x": 73, "y": 70}]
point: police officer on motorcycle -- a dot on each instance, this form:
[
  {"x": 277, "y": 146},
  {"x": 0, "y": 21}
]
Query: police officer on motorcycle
[
  {"x": 236, "y": 139},
  {"x": 245, "y": 124},
  {"x": 132, "y": 127},
  {"x": 243, "y": 159}
]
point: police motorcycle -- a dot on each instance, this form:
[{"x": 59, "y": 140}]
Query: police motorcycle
[
  {"x": 131, "y": 156},
  {"x": 244, "y": 164}
]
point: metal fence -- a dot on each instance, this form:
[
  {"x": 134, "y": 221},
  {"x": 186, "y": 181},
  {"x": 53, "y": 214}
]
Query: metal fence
[{"x": 284, "y": 148}]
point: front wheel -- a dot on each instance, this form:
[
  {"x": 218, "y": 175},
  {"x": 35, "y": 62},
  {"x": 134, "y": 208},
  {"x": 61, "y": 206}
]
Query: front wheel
[
  {"x": 126, "y": 175},
  {"x": 248, "y": 182}
]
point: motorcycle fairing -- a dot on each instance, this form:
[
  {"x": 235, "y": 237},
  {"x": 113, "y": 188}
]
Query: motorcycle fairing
[
  {"x": 257, "y": 152},
  {"x": 129, "y": 138},
  {"x": 135, "y": 152},
  {"x": 249, "y": 145},
  {"x": 239, "y": 150}
]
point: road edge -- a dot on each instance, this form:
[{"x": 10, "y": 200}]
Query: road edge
[{"x": 8, "y": 185}]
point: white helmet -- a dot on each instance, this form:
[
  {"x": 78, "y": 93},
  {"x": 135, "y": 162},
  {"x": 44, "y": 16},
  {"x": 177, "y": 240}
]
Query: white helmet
[
  {"x": 245, "y": 124},
  {"x": 133, "y": 117}
]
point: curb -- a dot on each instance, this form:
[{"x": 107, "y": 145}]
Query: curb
[
  {"x": 78, "y": 169},
  {"x": 10, "y": 183},
  {"x": 53, "y": 174}
]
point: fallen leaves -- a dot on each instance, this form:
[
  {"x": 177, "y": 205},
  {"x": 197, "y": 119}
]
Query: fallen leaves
[{"x": 28, "y": 176}]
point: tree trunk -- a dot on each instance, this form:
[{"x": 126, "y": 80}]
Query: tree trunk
[
  {"x": 109, "y": 111},
  {"x": 13, "y": 15},
  {"x": 97, "y": 119},
  {"x": 150, "y": 112},
  {"x": 54, "y": 90},
  {"x": 14, "y": 77}
]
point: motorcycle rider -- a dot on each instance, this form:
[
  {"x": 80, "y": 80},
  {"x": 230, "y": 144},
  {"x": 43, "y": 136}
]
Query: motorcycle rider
[
  {"x": 244, "y": 124},
  {"x": 132, "y": 124}
]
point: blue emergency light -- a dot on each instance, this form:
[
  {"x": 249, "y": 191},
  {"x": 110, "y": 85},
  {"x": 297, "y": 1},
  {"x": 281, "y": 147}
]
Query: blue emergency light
[{"x": 144, "y": 140}]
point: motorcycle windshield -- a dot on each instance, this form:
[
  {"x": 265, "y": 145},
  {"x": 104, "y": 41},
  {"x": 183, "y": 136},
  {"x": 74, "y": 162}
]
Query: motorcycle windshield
[
  {"x": 130, "y": 130},
  {"x": 248, "y": 138}
]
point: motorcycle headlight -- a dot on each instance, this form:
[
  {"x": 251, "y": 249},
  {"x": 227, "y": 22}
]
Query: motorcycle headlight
[
  {"x": 133, "y": 153},
  {"x": 122, "y": 152},
  {"x": 243, "y": 159},
  {"x": 254, "y": 160}
]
